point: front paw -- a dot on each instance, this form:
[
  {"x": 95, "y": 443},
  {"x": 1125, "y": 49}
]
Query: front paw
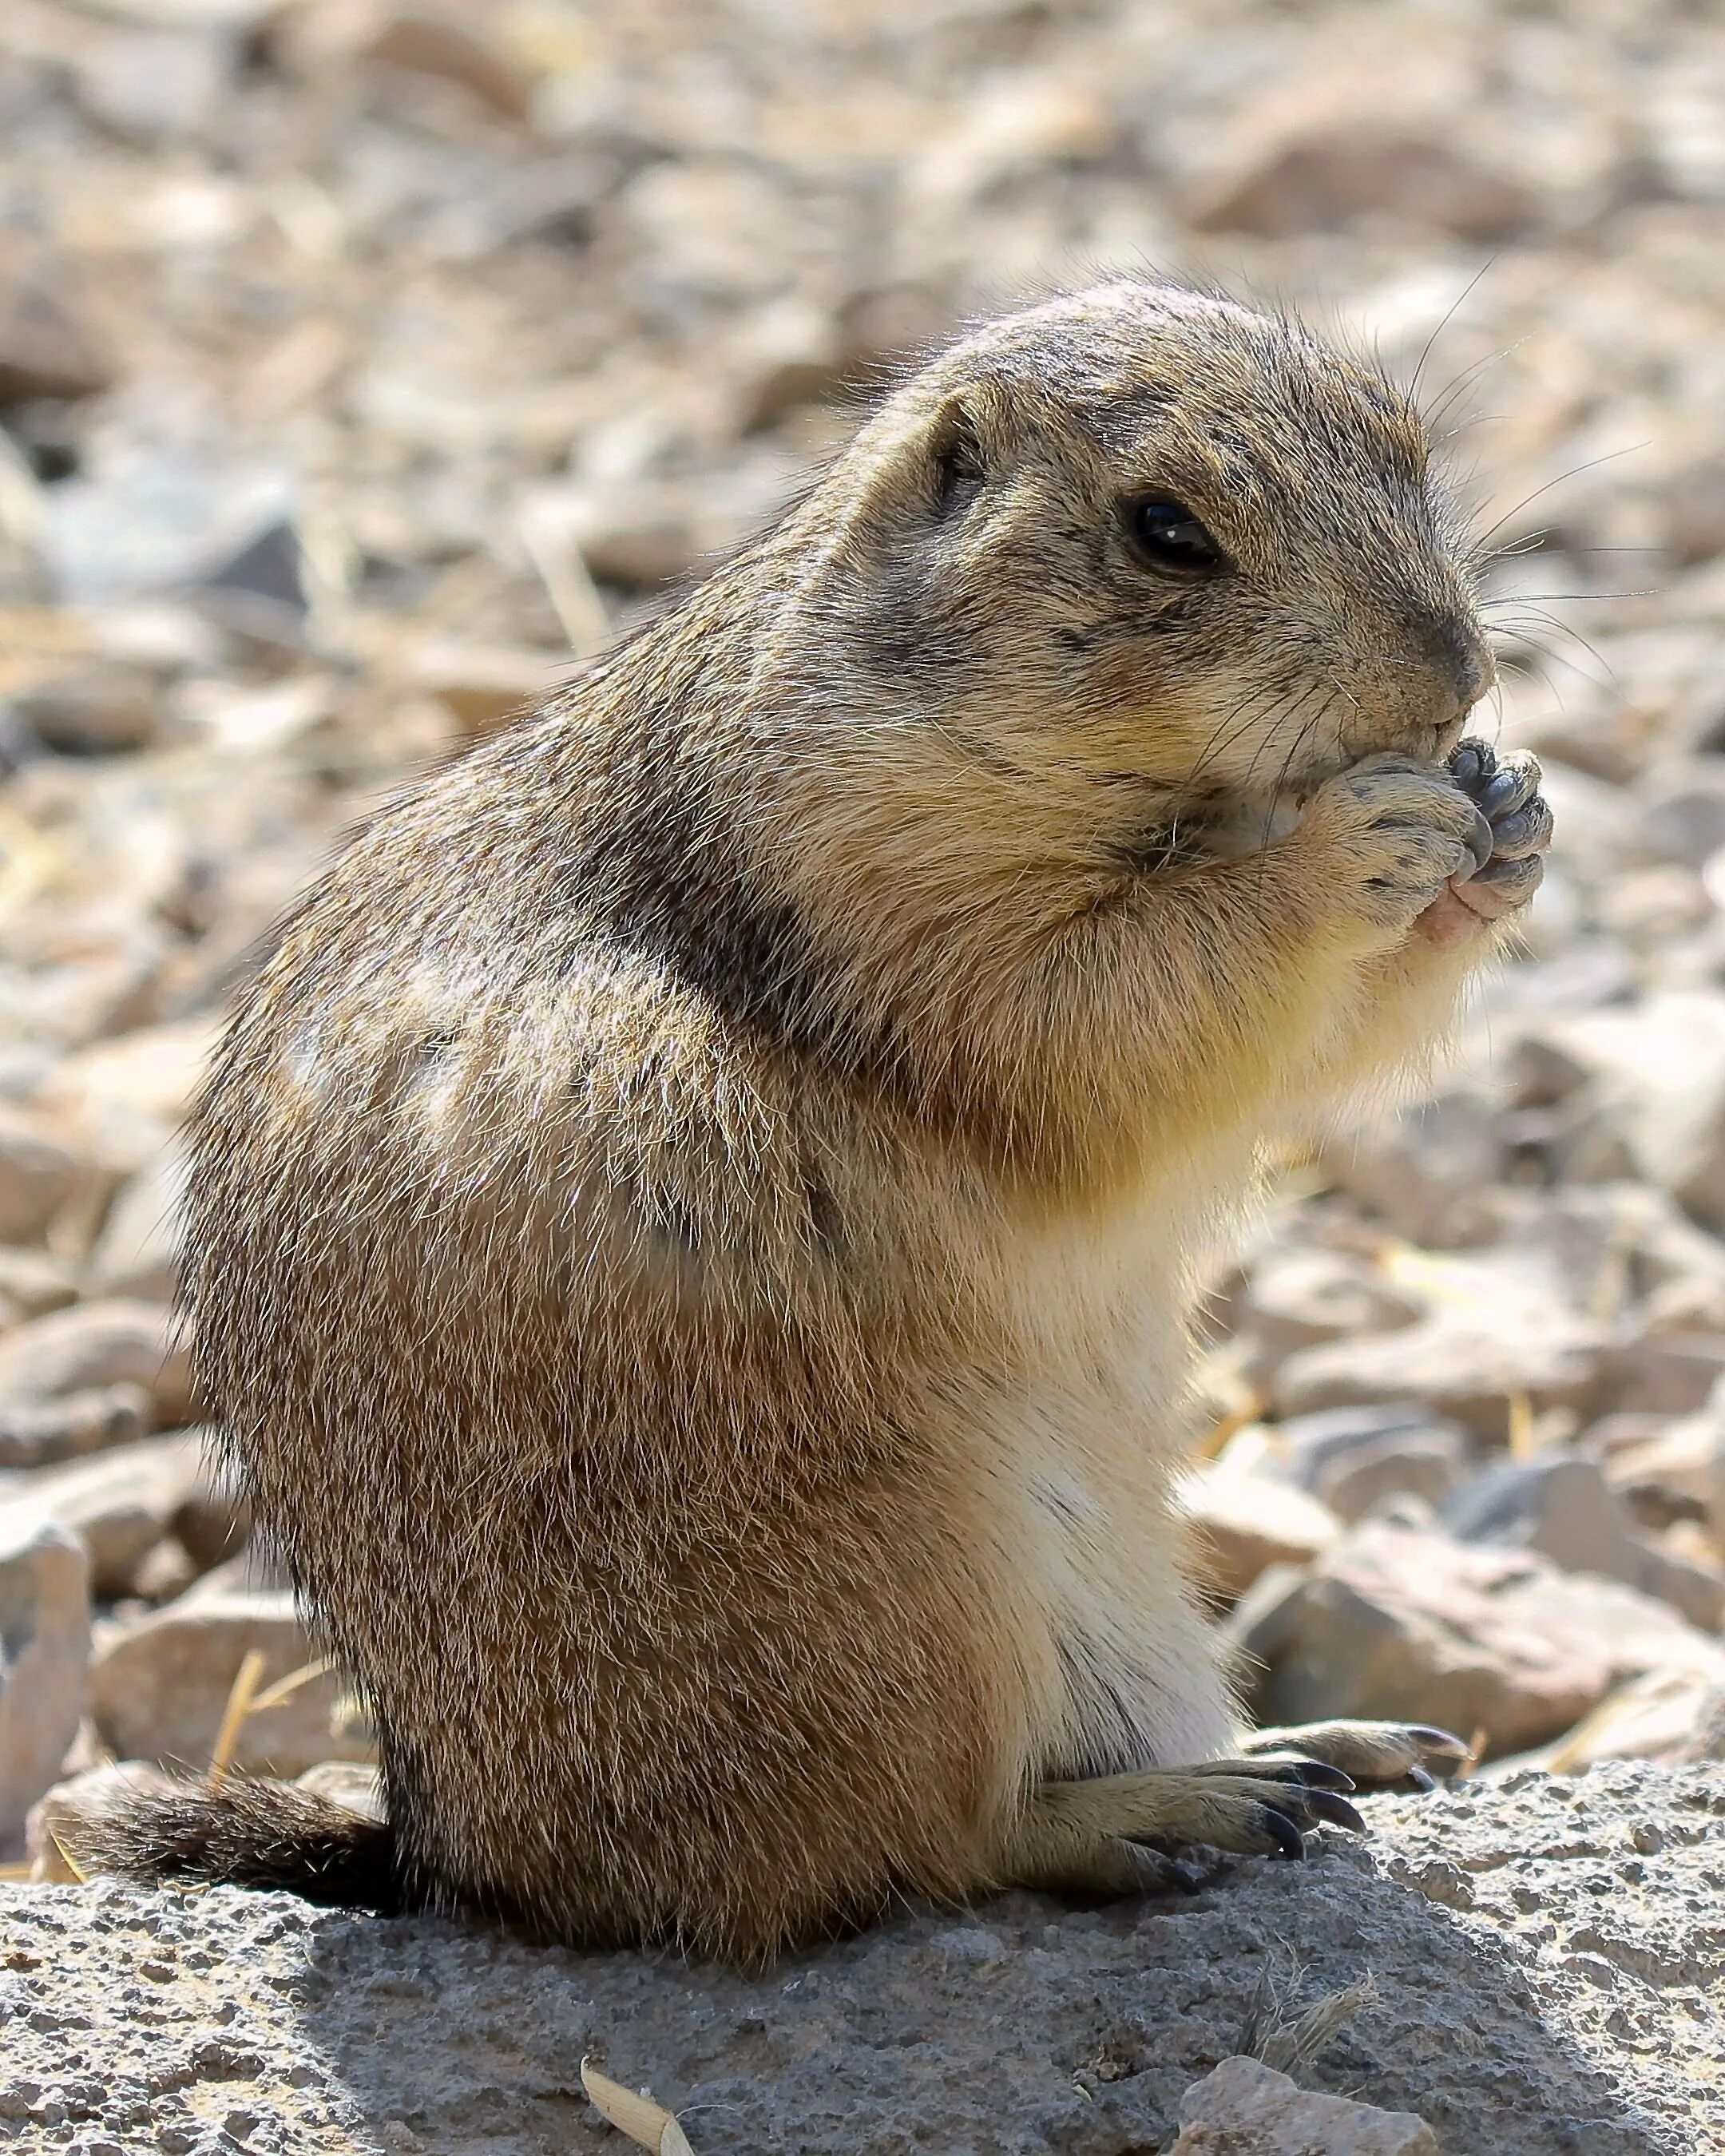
[
  {"x": 1392, "y": 836},
  {"x": 1506, "y": 791}
]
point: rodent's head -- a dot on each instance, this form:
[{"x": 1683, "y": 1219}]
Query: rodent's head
[{"x": 1145, "y": 539}]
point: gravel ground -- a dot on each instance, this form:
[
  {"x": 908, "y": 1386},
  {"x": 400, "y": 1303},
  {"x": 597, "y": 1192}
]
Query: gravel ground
[{"x": 1547, "y": 1956}]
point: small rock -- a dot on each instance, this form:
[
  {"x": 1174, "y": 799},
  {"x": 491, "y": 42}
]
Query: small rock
[
  {"x": 1355, "y": 1458},
  {"x": 1683, "y": 811},
  {"x": 39, "y": 1173},
  {"x": 1245, "y": 2108},
  {"x": 102, "y": 708},
  {"x": 32, "y": 1285},
  {"x": 94, "y": 1345},
  {"x": 1431, "y": 1173},
  {"x": 1563, "y": 1508},
  {"x": 1661, "y": 1469},
  {"x": 44, "y": 1623},
  {"x": 1495, "y": 1327},
  {"x": 1665, "y": 1716},
  {"x": 1705, "y": 1744},
  {"x": 1667, "y": 1372},
  {"x": 158, "y": 1688},
  {"x": 788, "y": 353},
  {"x": 480, "y": 685},
  {"x": 164, "y": 1572},
  {"x": 47, "y": 349},
  {"x": 1326, "y": 178},
  {"x": 36, "y": 1434},
  {"x": 445, "y": 46},
  {"x": 60, "y": 1809},
  {"x": 121, "y": 1503},
  {"x": 137, "y": 1252},
  {"x": 1396, "y": 1621},
  {"x": 258, "y": 589},
  {"x": 1244, "y": 1523},
  {"x": 213, "y": 1520},
  {"x": 346, "y": 1782},
  {"x": 1301, "y": 1298},
  {"x": 125, "y": 1095},
  {"x": 156, "y": 84},
  {"x": 1009, "y": 127},
  {"x": 1656, "y": 1075}
]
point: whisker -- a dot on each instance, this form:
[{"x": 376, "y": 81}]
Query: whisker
[
  {"x": 1575, "y": 471},
  {"x": 1448, "y": 316}
]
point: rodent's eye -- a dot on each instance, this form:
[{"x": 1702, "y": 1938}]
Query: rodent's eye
[{"x": 1171, "y": 539}]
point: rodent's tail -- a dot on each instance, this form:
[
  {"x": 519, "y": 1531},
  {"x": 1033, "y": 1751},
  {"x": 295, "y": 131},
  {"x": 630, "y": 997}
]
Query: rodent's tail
[{"x": 245, "y": 1833}]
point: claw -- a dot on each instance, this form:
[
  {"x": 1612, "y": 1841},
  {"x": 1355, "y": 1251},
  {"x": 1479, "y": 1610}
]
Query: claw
[
  {"x": 1281, "y": 1830},
  {"x": 1337, "y": 1810},
  {"x": 1316, "y": 1775},
  {"x": 1480, "y": 842},
  {"x": 1502, "y": 793},
  {"x": 1439, "y": 1740},
  {"x": 1472, "y": 764},
  {"x": 1311, "y": 1773},
  {"x": 1425, "y": 1782}
]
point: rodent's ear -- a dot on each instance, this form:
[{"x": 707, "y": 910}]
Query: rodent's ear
[
  {"x": 922, "y": 476},
  {"x": 954, "y": 460},
  {"x": 925, "y": 475},
  {"x": 961, "y": 445}
]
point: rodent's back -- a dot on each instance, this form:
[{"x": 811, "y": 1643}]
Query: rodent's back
[{"x": 514, "y": 1258}]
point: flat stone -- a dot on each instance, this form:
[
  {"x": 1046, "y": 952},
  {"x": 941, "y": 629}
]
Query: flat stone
[
  {"x": 31, "y": 1284},
  {"x": 94, "y": 1345},
  {"x": 159, "y": 1687},
  {"x": 1301, "y": 1298},
  {"x": 35, "y": 1432},
  {"x": 1657, "y": 1075},
  {"x": 1245, "y": 2108},
  {"x": 1355, "y": 1459},
  {"x": 1495, "y": 1327},
  {"x": 1244, "y": 1523},
  {"x": 1324, "y": 176},
  {"x": 1563, "y": 1508},
  {"x": 1397, "y": 1621},
  {"x": 120, "y": 1503}
]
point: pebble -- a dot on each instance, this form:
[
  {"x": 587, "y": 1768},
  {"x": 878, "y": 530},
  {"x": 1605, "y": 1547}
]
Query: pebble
[{"x": 44, "y": 1621}]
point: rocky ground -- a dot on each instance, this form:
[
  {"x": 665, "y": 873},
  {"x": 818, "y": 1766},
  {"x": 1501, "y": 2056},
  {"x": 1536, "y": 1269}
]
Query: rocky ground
[
  {"x": 1543, "y": 1962},
  {"x": 359, "y": 362}
]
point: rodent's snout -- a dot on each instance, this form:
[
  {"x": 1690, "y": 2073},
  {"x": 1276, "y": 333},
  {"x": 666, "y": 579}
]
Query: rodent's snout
[{"x": 1463, "y": 671}]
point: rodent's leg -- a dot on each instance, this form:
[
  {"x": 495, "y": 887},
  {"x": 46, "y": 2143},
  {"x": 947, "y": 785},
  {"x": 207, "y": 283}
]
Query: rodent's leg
[
  {"x": 1405, "y": 996},
  {"x": 1095, "y": 1836},
  {"x": 1253, "y": 967},
  {"x": 1375, "y": 1755}
]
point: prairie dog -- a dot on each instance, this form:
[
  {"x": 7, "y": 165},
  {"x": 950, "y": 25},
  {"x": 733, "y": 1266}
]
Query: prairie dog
[{"x": 692, "y": 1230}]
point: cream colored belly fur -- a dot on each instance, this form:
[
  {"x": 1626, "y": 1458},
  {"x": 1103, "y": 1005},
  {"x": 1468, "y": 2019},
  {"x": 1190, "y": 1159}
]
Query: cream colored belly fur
[{"x": 1075, "y": 1479}]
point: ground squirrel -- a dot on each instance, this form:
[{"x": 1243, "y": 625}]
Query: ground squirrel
[{"x": 692, "y": 1229}]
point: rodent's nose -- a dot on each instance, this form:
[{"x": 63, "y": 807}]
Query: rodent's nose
[{"x": 1465, "y": 661}]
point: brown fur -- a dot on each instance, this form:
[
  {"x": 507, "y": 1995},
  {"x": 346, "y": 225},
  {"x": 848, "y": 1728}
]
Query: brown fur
[{"x": 691, "y": 1231}]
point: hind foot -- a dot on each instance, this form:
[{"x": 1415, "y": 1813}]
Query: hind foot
[
  {"x": 1375, "y": 1755},
  {"x": 1119, "y": 1834}
]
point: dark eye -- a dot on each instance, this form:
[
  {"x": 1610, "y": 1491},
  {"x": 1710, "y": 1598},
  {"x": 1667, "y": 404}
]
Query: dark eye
[{"x": 1171, "y": 539}]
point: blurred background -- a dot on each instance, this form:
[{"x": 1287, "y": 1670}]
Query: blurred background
[{"x": 361, "y": 363}]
